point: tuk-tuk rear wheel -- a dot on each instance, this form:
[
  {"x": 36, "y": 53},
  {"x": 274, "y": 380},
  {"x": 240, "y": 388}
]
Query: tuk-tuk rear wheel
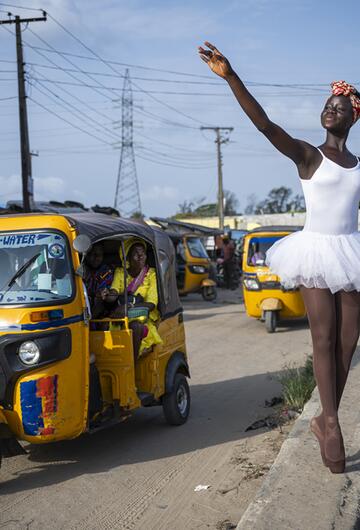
[
  {"x": 271, "y": 318},
  {"x": 176, "y": 404}
]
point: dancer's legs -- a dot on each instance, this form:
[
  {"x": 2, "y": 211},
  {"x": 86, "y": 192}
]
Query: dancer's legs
[
  {"x": 321, "y": 310},
  {"x": 348, "y": 329}
]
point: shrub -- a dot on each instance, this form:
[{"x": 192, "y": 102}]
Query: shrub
[{"x": 298, "y": 384}]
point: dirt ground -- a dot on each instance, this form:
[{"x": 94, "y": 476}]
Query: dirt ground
[
  {"x": 142, "y": 474},
  {"x": 247, "y": 466}
]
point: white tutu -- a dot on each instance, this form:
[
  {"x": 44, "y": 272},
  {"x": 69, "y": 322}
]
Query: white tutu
[{"x": 317, "y": 260}]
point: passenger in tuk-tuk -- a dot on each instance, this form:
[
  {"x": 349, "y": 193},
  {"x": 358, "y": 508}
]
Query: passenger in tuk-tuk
[
  {"x": 98, "y": 279},
  {"x": 141, "y": 292}
]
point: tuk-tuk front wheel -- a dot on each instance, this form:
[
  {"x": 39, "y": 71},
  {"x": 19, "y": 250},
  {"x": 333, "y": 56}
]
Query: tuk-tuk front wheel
[
  {"x": 271, "y": 319},
  {"x": 209, "y": 293},
  {"x": 176, "y": 404}
]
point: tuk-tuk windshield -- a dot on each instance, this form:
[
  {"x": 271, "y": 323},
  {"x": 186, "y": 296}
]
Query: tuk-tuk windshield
[
  {"x": 258, "y": 246},
  {"x": 34, "y": 268},
  {"x": 196, "y": 248}
]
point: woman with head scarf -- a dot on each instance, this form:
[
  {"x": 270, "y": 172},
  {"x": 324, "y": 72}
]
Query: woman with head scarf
[
  {"x": 323, "y": 259},
  {"x": 141, "y": 287}
]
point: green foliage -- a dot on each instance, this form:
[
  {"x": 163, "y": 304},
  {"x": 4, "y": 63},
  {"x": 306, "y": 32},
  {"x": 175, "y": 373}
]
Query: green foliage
[
  {"x": 137, "y": 215},
  {"x": 278, "y": 200},
  {"x": 298, "y": 384},
  {"x": 197, "y": 207}
]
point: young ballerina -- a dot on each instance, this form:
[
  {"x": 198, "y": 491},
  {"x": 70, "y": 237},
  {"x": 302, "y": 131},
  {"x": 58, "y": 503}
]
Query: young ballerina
[{"x": 324, "y": 258}]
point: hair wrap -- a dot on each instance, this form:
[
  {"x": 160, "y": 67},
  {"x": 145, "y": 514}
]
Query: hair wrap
[{"x": 341, "y": 88}]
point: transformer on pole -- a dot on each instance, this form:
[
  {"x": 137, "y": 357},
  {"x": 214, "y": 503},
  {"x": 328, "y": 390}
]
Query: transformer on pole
[{"x": 127, "y": 194}]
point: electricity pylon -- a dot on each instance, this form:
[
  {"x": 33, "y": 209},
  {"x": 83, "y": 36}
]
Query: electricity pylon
[{"x": 127, "y": 195}]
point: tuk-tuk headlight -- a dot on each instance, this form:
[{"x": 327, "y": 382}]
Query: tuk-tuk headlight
[
  {"x": 252, "y": 284},
  {"x": 29, "y": 353},
  {"x": 197, "y": 269}
]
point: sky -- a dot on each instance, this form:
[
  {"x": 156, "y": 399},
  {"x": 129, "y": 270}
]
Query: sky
[{"x": 286, "y": 51}]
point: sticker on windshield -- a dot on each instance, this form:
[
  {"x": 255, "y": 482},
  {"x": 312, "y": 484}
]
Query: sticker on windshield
[
  {"x": 56, "y": 250},
  {"x": 29, "y": 240}
]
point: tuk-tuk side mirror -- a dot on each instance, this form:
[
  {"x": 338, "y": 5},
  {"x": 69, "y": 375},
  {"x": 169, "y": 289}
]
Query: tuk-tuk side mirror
[{"x": 82, "y": 243}]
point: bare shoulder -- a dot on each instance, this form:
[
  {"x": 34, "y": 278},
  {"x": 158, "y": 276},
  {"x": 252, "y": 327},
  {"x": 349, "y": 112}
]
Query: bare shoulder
[{"x": 311, "y": 160}]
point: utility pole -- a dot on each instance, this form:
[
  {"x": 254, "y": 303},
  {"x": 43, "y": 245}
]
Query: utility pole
[
  {"x": 127, "y": 193},
  {"x": 26, "y": 174},
  {"x": 220, "y": 140}
]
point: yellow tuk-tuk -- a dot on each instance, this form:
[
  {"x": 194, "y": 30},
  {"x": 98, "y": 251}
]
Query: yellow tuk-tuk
[
  {"x": 264, "y": 296},
  {"x": 193, "y": 265},
  {"x": 47, "y": 338}
]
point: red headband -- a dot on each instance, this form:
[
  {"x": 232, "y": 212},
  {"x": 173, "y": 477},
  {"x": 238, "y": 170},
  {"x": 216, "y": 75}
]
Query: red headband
[{"x": 341, "y": 88}]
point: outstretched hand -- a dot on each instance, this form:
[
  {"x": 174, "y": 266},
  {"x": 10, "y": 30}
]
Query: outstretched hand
[{"x": 216, "y": 61}]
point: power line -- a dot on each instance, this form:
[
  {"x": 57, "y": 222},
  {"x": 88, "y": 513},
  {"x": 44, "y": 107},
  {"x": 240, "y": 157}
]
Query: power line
[
  {"x": 148, "y": 92},
  {"x": 121, "y": 76},
  {"x": 174, "y": 158},
  {"x": 87, "y": 119},
  {"x": 128, "y": 65},
  {"x": 67, "y": 60},
  {"x": 162, "y": 163},
  {"x": 164, "y": 120},
  {"x": 173, "y": 146},
  {"x": 81, "y": 101},
  {"x": 21, "y": 7},
  {"x": 116, "y": 71},
  {"x": 186, "y": 74},
  {"x": 176, "y": 93},
  {"x": 69, "y": 122}
]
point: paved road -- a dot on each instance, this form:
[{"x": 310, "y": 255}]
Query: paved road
[{"x": 142, "y": 474}]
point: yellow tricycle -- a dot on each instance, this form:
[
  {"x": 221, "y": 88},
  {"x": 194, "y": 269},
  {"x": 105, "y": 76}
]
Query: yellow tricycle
[
  {"x": 264, "y": 296},
  {"x": 194, "y": 270},
  {"x": 63, "y": 373}
]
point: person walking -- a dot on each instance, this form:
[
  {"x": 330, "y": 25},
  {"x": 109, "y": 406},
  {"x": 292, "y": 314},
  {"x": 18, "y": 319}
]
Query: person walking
[
  {"x": 323, "y": 259},
  {"x": 228, "y": 252}
]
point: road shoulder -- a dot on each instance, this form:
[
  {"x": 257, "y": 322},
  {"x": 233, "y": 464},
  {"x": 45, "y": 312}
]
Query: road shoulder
[{"x": 299, "y": 492}]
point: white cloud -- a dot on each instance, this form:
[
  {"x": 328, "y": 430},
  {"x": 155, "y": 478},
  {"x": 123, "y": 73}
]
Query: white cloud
[
  {"x": 45, "y": 189},
  {"x": 296, "y": 112},
  {"x": 156, "y": 193}
]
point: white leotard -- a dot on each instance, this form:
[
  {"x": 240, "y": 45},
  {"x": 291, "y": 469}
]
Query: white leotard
[
  {"x": 326, "y": 253},
  {"x": 332, "y": 198}
]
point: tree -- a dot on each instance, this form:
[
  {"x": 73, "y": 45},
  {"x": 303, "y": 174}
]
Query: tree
[
  {"x": 231, "y": 203},
  {"x": 251, "y": 204},
  {"x": 298, "y": 203},
  {"x": 137, "y": 215},
  {"x": 277, "y": 201},
  {"x": 206, "y": 210},
  {"x": 186, "y": 208},
  {"x": 197, "y": 207}
]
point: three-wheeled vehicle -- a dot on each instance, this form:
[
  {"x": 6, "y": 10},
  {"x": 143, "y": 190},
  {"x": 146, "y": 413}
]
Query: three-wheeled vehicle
[
  {"x": 264, "y": 296},
  {"x": 194, "y": 270},
  {"x": 47, "y": 340}
]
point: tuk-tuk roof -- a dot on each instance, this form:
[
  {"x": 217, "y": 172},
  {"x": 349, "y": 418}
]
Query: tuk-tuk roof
[
  {"x": 178, "y": 228},
  {"x": 101, "y": 226},
  {"x": 275, "y": 228}
]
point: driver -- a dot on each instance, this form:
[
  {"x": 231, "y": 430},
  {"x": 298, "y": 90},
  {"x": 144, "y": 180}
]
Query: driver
[
  {"x": 258, "y": 258},
  {"x": 142, "y": 292}
]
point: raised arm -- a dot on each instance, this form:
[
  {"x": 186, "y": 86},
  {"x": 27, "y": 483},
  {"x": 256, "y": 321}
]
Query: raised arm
[{"x": 300, "y": 152}]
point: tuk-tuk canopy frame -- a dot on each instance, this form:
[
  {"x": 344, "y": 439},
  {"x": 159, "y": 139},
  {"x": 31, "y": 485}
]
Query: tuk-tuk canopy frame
[{"x": 99, "y": 227}]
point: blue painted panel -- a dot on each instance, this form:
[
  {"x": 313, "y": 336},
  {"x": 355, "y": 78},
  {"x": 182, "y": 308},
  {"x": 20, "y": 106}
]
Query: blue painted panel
[{"x": 31, "y": 408}]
